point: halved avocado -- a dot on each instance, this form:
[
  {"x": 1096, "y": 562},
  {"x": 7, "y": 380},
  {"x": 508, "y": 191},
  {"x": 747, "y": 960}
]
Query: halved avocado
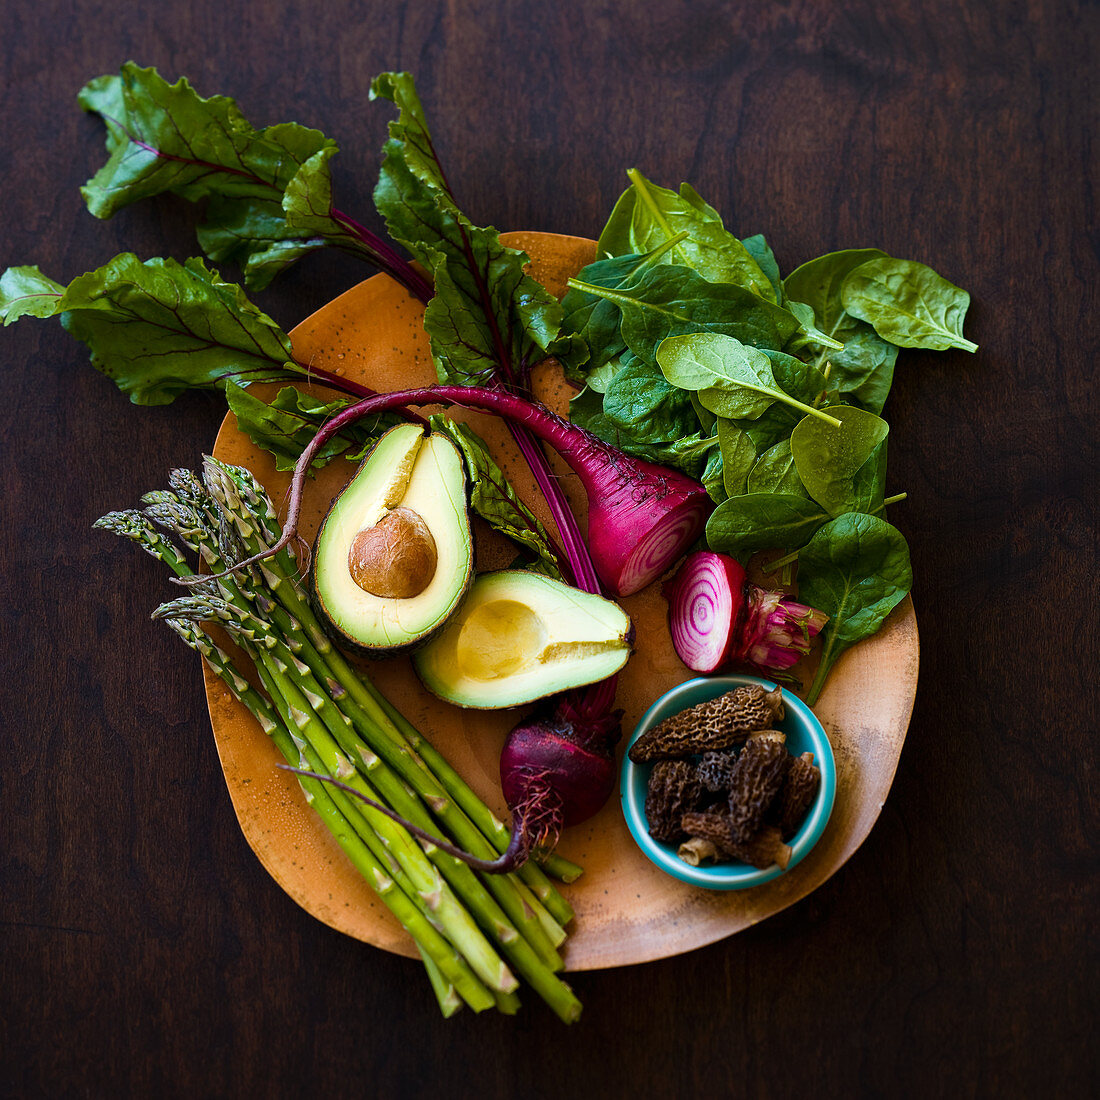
[
  {"x": 394, "y": 555},
  {"x": 521, "y": 636}
]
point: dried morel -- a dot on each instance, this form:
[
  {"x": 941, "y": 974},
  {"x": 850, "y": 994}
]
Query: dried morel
[
  {"x": 715, "y": 770},
  {"x": 674, "y": 790},
  {"x": 797, "y": 794},
  {"x": 757, "y": 779},
  {"x": 716, "y": 724},
  {"x": 761, "y": 850}
]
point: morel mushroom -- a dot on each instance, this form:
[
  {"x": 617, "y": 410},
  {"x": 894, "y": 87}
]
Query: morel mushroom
[
  {"x": 715, "y": 771},
  {"x": 674, "y": 790},
  {"x": 761, "y": 850},
  {"x": 798, "y": 793},
  {"x": 716, "y": 724},
  {"x": 757, "y": 779}
]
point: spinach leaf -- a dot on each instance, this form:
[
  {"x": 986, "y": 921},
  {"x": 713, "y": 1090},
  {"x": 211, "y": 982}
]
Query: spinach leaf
[
  {"x": 908, "y": 304},
  {"x": 738, "y": 455},
  {"x": 818, "y": 283},
  {"x": 285, "y": 426},
  {"x": 809, "y": 334},
  {"x": 864, "y": 370},
  {"x": 493, "y": 498},
  {"x": 646, "y": 216},
  {"x": 856, "y": 569},
  {"x": 596, "y": 320},
  {"x": 763, "y": 521},
  {"x": 864, "y": 367},
  {"x": 802, "y": 381},
  {"x": 673, "y": 301},
  {"x": 732, "y": 380},
  {"x": 759, "y": 249},
  {"x": 774, "y": 472},
  {"x": 488, "y": 317},
  {"x": 599, "y": 379},
  {"x": 165, "y": 137},
  {"x": 642, "y": 405},
  {"x": 770, "y": 428},
  {"x": 690, "y": 453},
  {"x": 713, "y": 476},
  {"x": 159, "y": 328},
  {"x": 828, "y": 457},
  {"x": 869, "y": 483}
]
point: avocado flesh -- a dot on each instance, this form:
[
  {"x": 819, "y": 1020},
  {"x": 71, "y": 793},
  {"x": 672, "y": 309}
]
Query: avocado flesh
[
  {"x": 406, "y": 469},
  {"x": 521, "y": 636}
]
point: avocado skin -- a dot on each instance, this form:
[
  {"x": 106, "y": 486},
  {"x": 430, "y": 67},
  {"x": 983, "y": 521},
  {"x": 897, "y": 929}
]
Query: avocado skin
[{"x": 455, "y": 595}]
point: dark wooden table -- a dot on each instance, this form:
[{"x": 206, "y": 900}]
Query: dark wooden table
[{"x": 145, "y": 952}]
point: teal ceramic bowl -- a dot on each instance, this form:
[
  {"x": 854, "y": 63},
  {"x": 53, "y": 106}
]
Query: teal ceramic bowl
[{"x": 804, "y": 734}]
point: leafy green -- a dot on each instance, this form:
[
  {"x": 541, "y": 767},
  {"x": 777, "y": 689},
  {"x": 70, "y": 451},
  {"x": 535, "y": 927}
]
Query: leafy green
[
  {"x": 159, "y": 328},
  {"x": 674, "y": 301},
  {"x": 285, "y": 426},
  {"x": 856, "y": 569},
  {"x": 641, "y": 404},
  {"x": 488, "y": 317},
  {"x": 165, "y": 137},
  {"x": 759, "y": 249},
  {"x": 26, "y": 292},
  {"x": 738, "y": 455},
  {"x": 828, "y": 458},
  {"x": 863, "y": 368},
  {"x": 908, "y": 304},
  {"x": 775, "y": 472},
  {"x": 732, "y": 380},
  {"x": 646, "y": 216},
  {"x": 761, "y": 521},
  {"x": 493, "y": 498},
  {"x": 690, "y": 453},
  {"x": 595, "y": 321}
]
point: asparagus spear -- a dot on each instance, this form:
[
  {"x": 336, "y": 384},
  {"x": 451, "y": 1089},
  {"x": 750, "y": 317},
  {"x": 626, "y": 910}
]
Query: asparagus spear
[
  {"x": 451, "y": 976},
  {"x": 543, "y": 933},
  {"x": 245, "y": 501},
  {"x": 275, "y": 658}
]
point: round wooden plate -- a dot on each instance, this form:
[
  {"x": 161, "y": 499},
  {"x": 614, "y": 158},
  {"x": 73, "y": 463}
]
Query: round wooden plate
[{"x": 627, "y": 910}]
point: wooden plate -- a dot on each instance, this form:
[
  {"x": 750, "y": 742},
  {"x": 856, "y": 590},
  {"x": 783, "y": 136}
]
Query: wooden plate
[{"x": 627, "y": 910}]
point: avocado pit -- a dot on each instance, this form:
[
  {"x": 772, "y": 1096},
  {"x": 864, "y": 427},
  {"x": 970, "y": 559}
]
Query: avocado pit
[{"x": 396, "y": 558}]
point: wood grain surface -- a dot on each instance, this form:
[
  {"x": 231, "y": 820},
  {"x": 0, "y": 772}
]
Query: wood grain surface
[{"x": 143, "y": 949}]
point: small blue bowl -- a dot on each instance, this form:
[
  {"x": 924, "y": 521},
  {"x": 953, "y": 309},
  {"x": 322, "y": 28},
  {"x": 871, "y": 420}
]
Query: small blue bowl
[{"x": 804, "y": 734}]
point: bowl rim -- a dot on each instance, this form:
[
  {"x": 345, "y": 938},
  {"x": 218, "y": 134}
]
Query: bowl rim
[{"x": 733, "y": 875}]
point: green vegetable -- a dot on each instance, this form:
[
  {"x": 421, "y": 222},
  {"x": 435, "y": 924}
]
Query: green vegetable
[
  {"x": 346, "y": 732},
  {"x": 268, "y": 192},
  {"x": 908, "y": 304},
  {"x": 731, "y": 379},
  {"x": 674, "y": 301},
  {"x": 856, "y": 569},
  {"x": 290, "y": 421},
  {"x": 761, "y": 521},
  {"x": 775, "y": 472},
  {"x": 647, "y": 216},
  {"x": 488, "y": 316},
  {"x": 595, "y": 321},
  {"x": 158, "y": 328},
  {"x": 738, "y": 454},
  {"x": 828, "y": 458}
]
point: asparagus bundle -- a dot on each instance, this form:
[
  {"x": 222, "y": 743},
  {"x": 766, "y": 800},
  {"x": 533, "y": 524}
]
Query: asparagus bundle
[{"x": 477, "y": 934}]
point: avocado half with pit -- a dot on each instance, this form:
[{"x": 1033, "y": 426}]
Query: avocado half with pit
[
  {"x": 520, "y": 636},
  {"x": 394, "y": 556}
]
